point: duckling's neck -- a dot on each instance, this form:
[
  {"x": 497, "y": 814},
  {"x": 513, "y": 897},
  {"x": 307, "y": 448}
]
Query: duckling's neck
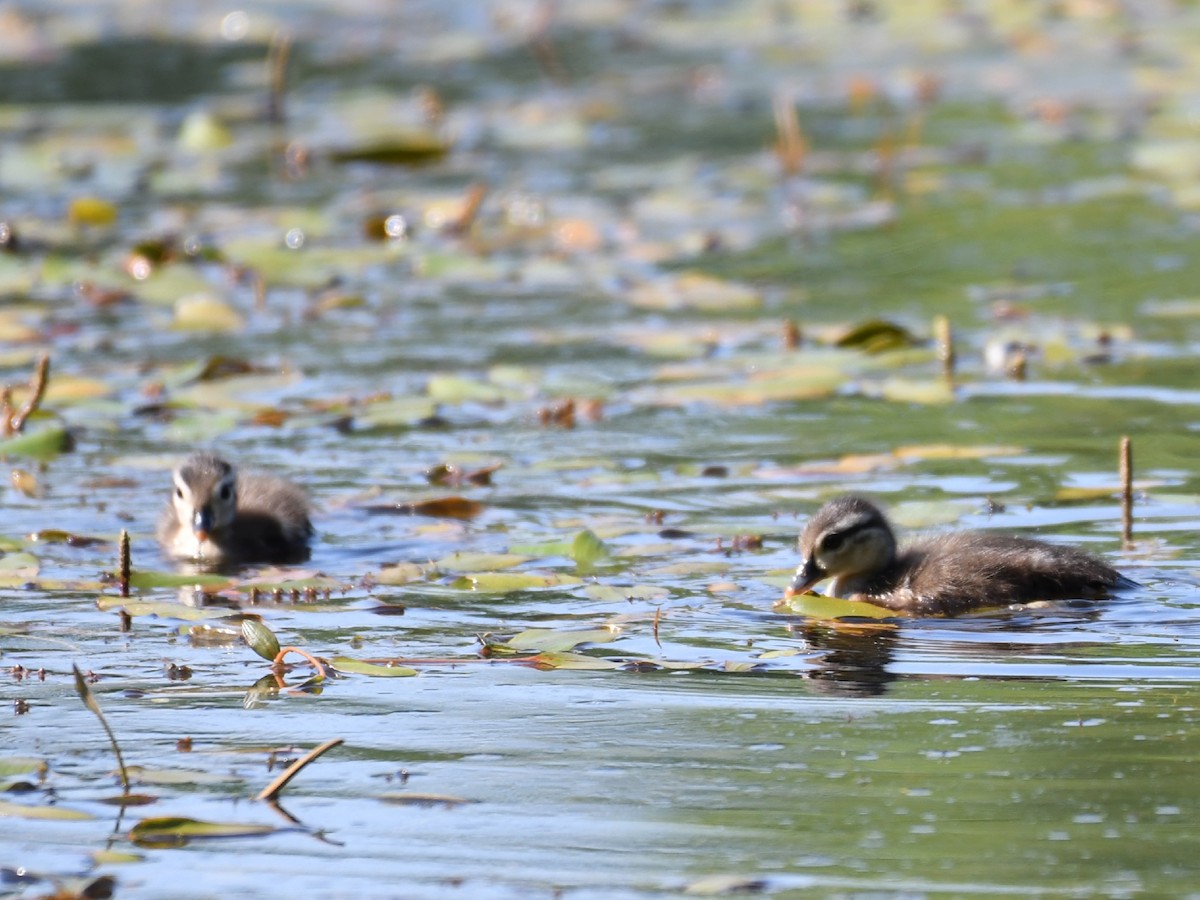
[
  {"x": 876, "y": 572},
  {"x": 846, "y": 586}
]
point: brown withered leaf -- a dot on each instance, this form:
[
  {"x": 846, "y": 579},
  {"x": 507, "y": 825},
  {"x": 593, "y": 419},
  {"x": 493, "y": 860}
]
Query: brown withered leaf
[
  {"x": 273, "y": 418},
  {"x": 439, "y": 508},
  {"x": 452, "y": 475}
]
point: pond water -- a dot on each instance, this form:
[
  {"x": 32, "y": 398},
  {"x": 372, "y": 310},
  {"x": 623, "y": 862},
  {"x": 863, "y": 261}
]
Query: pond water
[{"x": 603, "y": 282}]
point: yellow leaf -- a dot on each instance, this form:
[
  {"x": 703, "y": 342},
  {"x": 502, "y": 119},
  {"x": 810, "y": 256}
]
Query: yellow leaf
[
  {"x": 203, "y": 312},
  {"x": 91, "y": 211},
  {"x": 950, "y": 451},
  {"x": 202, "y": 132}
]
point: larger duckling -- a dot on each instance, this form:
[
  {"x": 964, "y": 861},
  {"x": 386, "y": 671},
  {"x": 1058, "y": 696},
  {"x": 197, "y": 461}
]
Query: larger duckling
[
  {"x": 851, "y": 541},
  {"x": 217, "y": 517}
]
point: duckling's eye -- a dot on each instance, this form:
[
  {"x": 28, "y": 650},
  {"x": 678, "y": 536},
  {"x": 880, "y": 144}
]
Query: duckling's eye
[
  {"x": 832, "y": 542},
  {"x": 179, "y": 492},
  {"x": 226, "y": 492}
]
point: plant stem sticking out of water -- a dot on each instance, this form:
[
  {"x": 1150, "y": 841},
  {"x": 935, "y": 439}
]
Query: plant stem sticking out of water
[
  {"x": 14, "y": 421},
  {"x": 790, "y": 146},
  {"x": 124, "y": 562},
  {"x": 89, "y": 700},
  {"x": 271, "y": 791},
  {"x": 944, "y": 336},
  {"x": 277, "y": 60},
  {"x": 1126, "y": 467}
]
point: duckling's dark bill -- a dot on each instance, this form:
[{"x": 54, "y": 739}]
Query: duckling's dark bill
[{"x": 806, "y": 576}]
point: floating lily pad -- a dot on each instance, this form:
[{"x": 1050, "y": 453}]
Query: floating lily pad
[
  {"x": 19, "y": 765},
  {"x": 692, "y": 290},
  {"x": 139, "y": 578},
  {"x": 550, "y": 640},
  {"x": 18, "y": 565},
  {"x": 480, "y": 562},
  {"x": 91, "y": 211},
  {"x": 148, "y": 775},
  {"x": 175, "y": 831},
  {"x": 506, "y": 582},
  {"x": 566, "y": 660},
  {"x": 401, "y": 573},
  {"x": 402, "y": 149},
  {"x": 358, "y": 667},
  {"x": 876, "y": 336},
  {"x": 164, "y": 609},
  {"x": 12, "y": 810},
  {"x": 204, "y": 312},
  {"x": 818, "y": 606},
  {"x": 40, "y": 443}
]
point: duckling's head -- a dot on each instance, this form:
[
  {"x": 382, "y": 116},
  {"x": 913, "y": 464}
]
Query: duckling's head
[
  {"x": 848, "y": 539},
  {"x": 205, "y": 495}
]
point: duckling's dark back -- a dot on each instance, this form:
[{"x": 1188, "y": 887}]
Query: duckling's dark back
[
  {"x": 272, "y": 523},
  {"x": 952, "y": 573}
]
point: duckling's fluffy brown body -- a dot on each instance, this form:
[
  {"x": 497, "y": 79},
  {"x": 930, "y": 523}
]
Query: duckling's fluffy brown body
[
  {"x": 219, "y": 516},
  {"x": 850, "y": 540}
]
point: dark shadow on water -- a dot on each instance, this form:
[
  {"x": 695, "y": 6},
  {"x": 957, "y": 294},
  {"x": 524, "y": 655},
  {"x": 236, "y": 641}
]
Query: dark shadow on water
[
  {"x": 853, "y": 662},
  {"x": 125, "y": 70}
]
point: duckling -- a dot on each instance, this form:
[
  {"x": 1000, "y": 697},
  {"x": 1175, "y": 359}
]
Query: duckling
[
  {"x": 216, "y": 517},
  {"x": 850, "y": 541}
]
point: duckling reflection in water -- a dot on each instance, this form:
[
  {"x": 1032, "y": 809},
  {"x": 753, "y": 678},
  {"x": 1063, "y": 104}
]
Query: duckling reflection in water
[
  {"x": 850, "y": 541},
  {"x": 217, "y": 517}
]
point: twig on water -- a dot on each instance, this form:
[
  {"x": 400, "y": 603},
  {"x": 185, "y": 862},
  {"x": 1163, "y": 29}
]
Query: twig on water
[
  {"x": 271, "y": 791},
  {"x": 89, "y": 700}
]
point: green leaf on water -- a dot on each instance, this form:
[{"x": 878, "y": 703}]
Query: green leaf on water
[
  {"x": 18, "y": 565},
  {"x": 202, "y": 427},
  {"x": 504, "y": 582},
  {"x": 457, "y": 389},
  {"x": 876, "y": 336},
  {"x": 567, "y": 660},
  {"x": 587, "y": 548},
  {"x": 44, "y": 443},
  {"x": 402, "y": 149},
  {"x": 19, "y": 765},
  {"x": 164, "y": 609},
  {"x": 550, "y": 640},
  {"x": 358, "y": 667},
  {"x": 401, "y": 573},
  {"x": 398, "y": 412},
  {"x": 174, "y": 831},
  {"x": 927, "y": 391},
  {"x": 818, "y": 606},
  {"x": 467, "y": 563},
  {"x": 148, "y": 579},
  {"x": 114, "y": 858},
  {"x": 146, "y": 775},
  {"x": 693, "y": 567},
  {"x": 25, "y": 811}
]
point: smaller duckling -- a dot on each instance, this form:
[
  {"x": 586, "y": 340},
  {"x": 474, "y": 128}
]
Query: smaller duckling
[
  {"x": 216, "y": 517},
  {"x": 850, "y": 541}
]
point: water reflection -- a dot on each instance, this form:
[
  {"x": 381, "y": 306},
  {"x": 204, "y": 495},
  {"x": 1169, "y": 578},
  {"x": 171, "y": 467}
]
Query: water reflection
[{"x": 853, "y": 660}]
